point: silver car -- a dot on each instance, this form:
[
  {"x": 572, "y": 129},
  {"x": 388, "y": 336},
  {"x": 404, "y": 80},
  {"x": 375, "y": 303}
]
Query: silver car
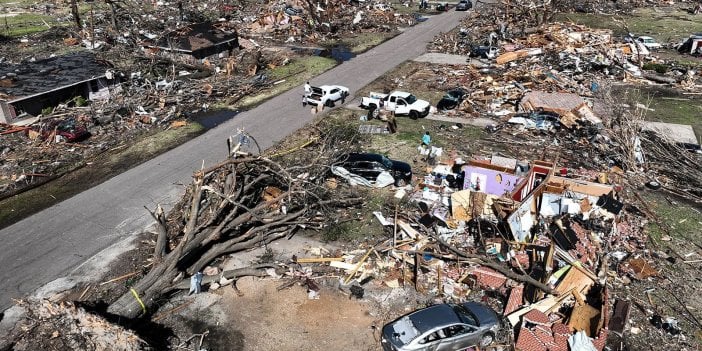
[{"x": 444, "y": 327}]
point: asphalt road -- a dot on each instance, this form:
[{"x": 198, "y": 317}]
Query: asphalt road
[{"x": 56, "y": 241}]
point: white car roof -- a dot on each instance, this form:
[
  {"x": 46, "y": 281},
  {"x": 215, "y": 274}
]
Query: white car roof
[{"x": 329, "y": 87}]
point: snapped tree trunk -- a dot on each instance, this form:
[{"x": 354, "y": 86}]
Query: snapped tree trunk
[{"x": 76, "y": 15}]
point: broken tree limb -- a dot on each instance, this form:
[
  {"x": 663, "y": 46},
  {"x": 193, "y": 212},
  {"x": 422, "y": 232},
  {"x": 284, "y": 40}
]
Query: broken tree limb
[
  {"x": 464, "y": 256},
  {"x": 236, "y": 205},
  {"x": 251, "y": 271},
  {"x": 162, "y": 232}
]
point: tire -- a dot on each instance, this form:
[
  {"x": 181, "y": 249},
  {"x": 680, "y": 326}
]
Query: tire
[
  {"x": 486, "y": 340},
  {"x": 399, "y": 182},
  {"x": 653, "y": 185},
  {"x": 329, "y": 103},
  {"x": 373, "y": 106},
  {"x": 413, "y": 115}
]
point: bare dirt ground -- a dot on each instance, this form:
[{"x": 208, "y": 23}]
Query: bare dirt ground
[
  {"x": 264, "y": 317},
  {"x": 288, "y": 320}
]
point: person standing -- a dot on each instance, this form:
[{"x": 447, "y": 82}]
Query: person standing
[
  {"x": 392, "y": 123},
  {"x": 308, "y": 88},
  {"x": 426, "y": 139},
  {"x": 304, "y": 100}
]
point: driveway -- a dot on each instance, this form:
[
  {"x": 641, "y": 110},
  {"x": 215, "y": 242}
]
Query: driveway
[{"x": 57, "y": 241}]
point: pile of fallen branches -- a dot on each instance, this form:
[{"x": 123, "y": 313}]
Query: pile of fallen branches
[{"x": 244, "y": 202}]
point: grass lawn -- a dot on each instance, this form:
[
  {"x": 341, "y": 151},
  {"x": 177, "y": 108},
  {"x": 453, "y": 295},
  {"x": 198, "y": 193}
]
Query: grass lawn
[
  {"x": 672, "y": 107},
  {"x": 682, "y": 220},
  {"x": 295, "y": 73},
  {"x": 16, "y": 25}
]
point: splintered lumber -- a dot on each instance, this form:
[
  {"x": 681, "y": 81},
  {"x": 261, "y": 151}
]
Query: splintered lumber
[
  {"x": 411, "y": 232},
  {"x": 342, "y": 265},
  {"x": 575, "y": 279},
  {"x": 120, "y": 278},
  {"x": 465, "y": 256},
  {"x": 358, "y": 266},
  {"x": 584, "y": 318}
]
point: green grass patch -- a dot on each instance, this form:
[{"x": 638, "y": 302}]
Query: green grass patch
[
  {"x": 362, "y": 42},
  {"x": 679, "y": 110},
  {"x": 366, "y": 226},
  {"x": 102, "y": 168},
  {"x": 295, "y": 74},
  {"x": 682, "y": 220},
  {"x": 25, "y": 24},
  {"x": 17, "y": 3}
]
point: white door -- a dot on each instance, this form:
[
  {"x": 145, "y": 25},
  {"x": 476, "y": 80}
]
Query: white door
[
  {"x": 390, "y": 104},
  {"x": 401, "y": 107}
]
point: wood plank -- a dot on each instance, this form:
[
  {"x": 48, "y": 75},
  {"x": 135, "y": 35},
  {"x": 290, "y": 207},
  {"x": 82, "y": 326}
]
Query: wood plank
[
  {"x": 411, "y": 232},
  {"x": 342, "y": 265},
  {"x": 584, "y": 317},
  {"x": 574, "y": 279}
]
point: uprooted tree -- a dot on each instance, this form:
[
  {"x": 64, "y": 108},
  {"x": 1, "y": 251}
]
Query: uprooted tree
[{"x": 243, "y": 202}]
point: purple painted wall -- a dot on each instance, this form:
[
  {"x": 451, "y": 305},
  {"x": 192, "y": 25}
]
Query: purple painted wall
[{"x": 489, "y": 181}]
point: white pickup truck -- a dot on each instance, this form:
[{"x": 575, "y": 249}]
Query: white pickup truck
[
  {"x": 327, "y": 95},
  {"x": 402, "y": 103}
]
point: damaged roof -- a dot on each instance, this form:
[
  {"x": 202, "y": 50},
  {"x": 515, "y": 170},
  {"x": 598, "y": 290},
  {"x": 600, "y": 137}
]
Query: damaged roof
[
  {"x": 32, "y": 78},
  {"x": 551, "y": 101},
  {"x": 196, "y": 37}
]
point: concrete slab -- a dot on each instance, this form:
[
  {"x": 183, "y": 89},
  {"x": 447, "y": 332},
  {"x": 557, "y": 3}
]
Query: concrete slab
[
  {"x": 679, "y": 133},
  {"x": 443, "y": 59},
  {"x": 478, "y": 122}
]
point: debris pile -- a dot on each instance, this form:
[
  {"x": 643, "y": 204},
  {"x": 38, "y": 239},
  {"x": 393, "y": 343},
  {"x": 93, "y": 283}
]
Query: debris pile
[
  {"x": 549, "y": 87},
  {"x": 173, "y": 61},
  {"x": 65, "y": 326}
]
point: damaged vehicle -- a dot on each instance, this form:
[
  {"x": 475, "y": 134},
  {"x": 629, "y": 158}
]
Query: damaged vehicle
[
  {"x": 327, "y": 95},
  {"x": 67, "y": 131},
  {"x": 452, "y": 99},
  {"x": 464, "y": 5},
  {"x": 649, "y": 42},
  {"x": 372, "y": 168},
  {"x": 442, "y": 327}
]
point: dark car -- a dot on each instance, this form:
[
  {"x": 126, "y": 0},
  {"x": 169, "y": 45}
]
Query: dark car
[
  {"x": 369, "y": 166},
  {"x": 442, "y": 327},
  {"x": 452, "y": 99},
  {"x": 464, "y": 5},
  {"x": 66, "y": 130}
]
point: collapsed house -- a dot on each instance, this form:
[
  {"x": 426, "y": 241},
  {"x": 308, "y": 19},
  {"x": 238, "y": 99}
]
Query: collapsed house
[
  {"x": 26, "y": 89},
  {"x": 519, "y": 216},
  {"x": 195, "y": 43}
]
